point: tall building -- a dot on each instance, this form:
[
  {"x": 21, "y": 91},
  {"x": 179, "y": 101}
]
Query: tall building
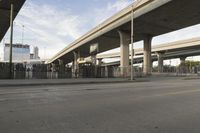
[
  {"x": 36, "y": 53},
  {"x": 19, "y": 52}
]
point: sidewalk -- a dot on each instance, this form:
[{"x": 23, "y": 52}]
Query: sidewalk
[
  {"x": 74, "y": 81},
  {"x": 38, "y": 82}
]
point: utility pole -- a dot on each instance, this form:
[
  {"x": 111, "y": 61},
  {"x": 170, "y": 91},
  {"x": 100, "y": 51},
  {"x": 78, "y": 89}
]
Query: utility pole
[
  {"x": 11, "y": 38},
  {"x": 132, "y": 50},
  {"x": 22, "y": 34},
  {"x": 135, "y": 3}
]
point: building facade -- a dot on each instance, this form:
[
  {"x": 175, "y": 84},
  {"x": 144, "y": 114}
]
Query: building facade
[
  {"x": 20, "y": 52},
  {"x": 36, "y": 53}
]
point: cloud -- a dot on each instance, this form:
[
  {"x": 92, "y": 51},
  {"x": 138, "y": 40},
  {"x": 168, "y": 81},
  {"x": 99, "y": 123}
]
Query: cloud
[
  {"x": 111, "y": 8},
  {"x": 119, "y": 5},
  {"x": 52, "y": 28},
  {"x": 49, "y": 19}
]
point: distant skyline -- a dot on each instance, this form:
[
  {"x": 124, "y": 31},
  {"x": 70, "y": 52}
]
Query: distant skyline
[{"x": 53, "y": 24}]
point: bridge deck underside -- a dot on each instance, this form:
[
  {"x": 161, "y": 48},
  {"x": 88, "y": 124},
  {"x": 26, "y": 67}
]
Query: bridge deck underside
[{"x": 5, "y": 14}]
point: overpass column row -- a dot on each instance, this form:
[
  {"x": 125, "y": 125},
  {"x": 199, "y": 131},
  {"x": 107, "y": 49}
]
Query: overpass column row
[
  {"x": 124, "y": 53},
  {"x": 147, "y": 56}
]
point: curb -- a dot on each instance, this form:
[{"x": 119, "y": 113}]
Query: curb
[
  {"x": 192, "y": 78},
  {"x": 70, "y": 83}
]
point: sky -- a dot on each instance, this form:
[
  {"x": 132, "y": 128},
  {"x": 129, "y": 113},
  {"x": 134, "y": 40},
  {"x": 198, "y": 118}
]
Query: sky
[{"x": 53, "y": 24}]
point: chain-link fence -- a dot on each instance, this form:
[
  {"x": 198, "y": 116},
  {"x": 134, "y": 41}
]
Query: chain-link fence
[
  {"x": 43, "y": 71},
  {"x": 34, "y": 71},
  {"x": 5, "y": 70},
  {"x": 181, "y": 70}
]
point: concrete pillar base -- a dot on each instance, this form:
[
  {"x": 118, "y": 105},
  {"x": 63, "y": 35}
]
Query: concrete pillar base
[
  {"x": 94, "y": 63},
  {"x": 75, "y": 65},
  {"x": 182, "y": 68},
  {"x": 99, "y": 62},
  {"x": 147, "y": 56},
  {"x": 160, "y": 62},
  {"x": 125, "y": 72},
  {"x": 182, "y": 59},
  {"x": 124, "y": 53}
]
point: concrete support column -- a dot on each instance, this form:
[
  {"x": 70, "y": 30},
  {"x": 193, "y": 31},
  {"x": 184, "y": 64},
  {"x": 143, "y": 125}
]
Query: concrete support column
[
  {"x": 106, "y": 71},
  {"x": 182, "y": 59},
  {"x": 160, "y": 62},
  {"x": 182, "y": 68},
  {"x": 60, "y": 62},
  {"x": 75, "y": 70},
  {"x": 152, "y": 65},
  {"x": 99, "y": 62},
  {"x": 53, "y": 71},
  {"x": 61, "y": 69},
  {"x": 124, "y": 53},
  {"x": 53, "y": 67},
  {"x": 94, "y": 60},
  {"x": 147, "y": 56}
]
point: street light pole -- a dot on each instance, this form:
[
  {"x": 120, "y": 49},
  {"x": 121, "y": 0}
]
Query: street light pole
[
  {"x": 22, "y": 34},
  {"x": 132, "y": 50},
  {"x": 11, "y": 38}
]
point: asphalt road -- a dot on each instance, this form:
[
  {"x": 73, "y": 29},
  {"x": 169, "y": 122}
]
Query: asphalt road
[{"x": 159, "y": 106}]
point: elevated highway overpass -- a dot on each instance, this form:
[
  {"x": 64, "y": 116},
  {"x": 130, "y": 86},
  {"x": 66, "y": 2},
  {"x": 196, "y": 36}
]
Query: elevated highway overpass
[
  {"x": 179, "y": 49},
  {"x": 151, "y": 18},
  {"x": 139, "y": 59},
  {"x": 189, "y": 47}
]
